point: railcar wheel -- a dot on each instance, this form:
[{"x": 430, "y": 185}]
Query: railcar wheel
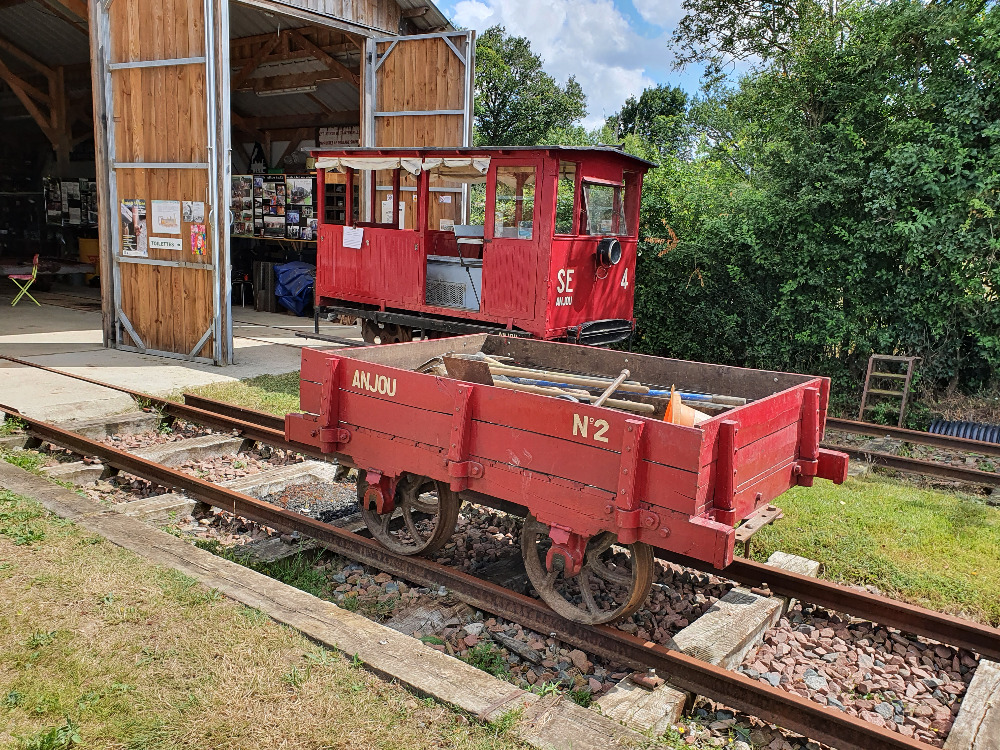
[
  {"x": 423, "y": 520},
  {"x": 385, "y": 333},
  {"x": 613, "y": 584}
]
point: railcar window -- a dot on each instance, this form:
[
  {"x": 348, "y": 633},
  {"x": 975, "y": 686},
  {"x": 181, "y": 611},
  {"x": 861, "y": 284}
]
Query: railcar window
[
  {"x": 514, "y": 203},
  {"x": 604, "y": 209},
  {"x": 566, "y": 198}
]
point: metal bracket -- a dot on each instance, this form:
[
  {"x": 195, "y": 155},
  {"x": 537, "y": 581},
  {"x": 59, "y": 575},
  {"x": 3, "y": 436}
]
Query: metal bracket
[
  {"x": 725, "y": 472},
  {"x": 568, "y": 545},
  {"x": 808, "y": 464},
  {"x": 381, "y": 493},
  {"x": 458, "y": 467},
  {"x": 626, "y": 503}
]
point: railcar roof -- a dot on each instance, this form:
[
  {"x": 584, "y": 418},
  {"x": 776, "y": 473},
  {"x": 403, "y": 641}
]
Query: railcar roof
[{"x": 483, "y": 151}]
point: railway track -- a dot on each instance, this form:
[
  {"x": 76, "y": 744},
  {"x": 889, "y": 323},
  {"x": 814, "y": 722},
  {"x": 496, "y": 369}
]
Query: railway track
[
  {"x": 770, "y": 704},
  {"x": 732, "y": 689}
]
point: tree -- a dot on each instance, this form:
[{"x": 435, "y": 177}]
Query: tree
[
  {"x": 657, "y": 116},
  {"x": 517, "y": 102},
  {"x": 846, "y": 199}
]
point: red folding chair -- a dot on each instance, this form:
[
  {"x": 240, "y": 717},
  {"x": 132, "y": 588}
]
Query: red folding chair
[{"x": 29, "y": 279}]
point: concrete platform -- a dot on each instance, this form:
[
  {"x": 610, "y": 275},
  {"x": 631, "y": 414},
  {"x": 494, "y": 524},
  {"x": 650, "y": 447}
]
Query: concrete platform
[{"x": 65, "y": 333}]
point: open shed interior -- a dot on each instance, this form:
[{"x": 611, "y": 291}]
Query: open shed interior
[{"x": 296, "y": 83}]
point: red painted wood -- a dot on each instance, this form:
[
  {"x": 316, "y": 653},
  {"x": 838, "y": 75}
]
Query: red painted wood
[
  {"x": 563, "y": 461},
  {"x": 520, "y": 277}
]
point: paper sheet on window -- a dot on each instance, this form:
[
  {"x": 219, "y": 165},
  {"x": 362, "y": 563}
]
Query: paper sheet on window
[{"x": 353, "y": 237}]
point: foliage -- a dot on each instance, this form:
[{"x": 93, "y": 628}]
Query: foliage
[
  {"x": 489, "y": 658},
  {"x": 55, "y": 738},
  {"x": 11, "y": 425},
  {"x": 658, "y": 116},
  {"x": 843, "y": 198},
  {"x": 517, "y": 102}
]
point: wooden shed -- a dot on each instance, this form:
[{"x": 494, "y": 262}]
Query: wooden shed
[{"x": 188, "y": 93}]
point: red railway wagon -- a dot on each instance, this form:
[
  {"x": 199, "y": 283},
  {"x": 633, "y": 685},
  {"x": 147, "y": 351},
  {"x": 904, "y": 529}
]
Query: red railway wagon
[
  {"x": 599, "y": 487},
  {"x": 537, "y": 242}
]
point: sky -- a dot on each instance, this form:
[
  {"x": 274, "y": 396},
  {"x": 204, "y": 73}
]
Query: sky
[{"x": 615, "y": 48}]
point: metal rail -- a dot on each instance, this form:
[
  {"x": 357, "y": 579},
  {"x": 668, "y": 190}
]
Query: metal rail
[
  {"x": 913, "y": 436},
  {"x": 918, "y": 466},
  {"x": 770, "y": 704},
  {"x": 978, "y": 638}
]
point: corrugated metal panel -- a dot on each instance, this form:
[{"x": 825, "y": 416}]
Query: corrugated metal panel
[
  {"x": 337, "y": 95},
  {"x": 43, "y": 35},
  {"x": 247, "y": 21}
]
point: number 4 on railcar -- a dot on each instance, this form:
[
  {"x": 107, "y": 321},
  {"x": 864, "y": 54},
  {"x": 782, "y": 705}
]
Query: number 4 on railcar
[{"x": 526, "y": 242}]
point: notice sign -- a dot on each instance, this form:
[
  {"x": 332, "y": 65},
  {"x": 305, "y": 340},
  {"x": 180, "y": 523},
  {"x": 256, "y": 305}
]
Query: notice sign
[
  {"x": 166, "y": 243},
  {"x": 133, "y": 218},
  {"x": 167, "y": 217},
  {"x": 353, "y": 237}
]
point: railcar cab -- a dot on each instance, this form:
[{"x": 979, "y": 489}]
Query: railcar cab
[{"x": 534, "y": 242}]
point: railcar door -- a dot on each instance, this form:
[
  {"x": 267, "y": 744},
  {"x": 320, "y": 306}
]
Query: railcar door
[{"x": 512, "y": 237}]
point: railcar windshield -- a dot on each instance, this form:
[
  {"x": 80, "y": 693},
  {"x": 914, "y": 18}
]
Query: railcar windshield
[{"x": 604, "y": 209}]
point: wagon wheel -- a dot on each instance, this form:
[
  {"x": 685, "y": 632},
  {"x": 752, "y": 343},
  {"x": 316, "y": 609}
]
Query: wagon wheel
[
  {"x": 423, "y": 520},
  {"x": 614, "y": 582},
  {"x": 384, "y": 333}
]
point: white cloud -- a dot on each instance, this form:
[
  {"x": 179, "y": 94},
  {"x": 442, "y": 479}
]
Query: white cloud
[
  {"x": 664, "y": 14},
  {"x": 590, "y": 39}
]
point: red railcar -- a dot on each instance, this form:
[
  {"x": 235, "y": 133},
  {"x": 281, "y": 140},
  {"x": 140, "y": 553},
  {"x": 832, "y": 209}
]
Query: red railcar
[
  {"x": 535, "y": 242},
  {"x": 600, "y": 487}
]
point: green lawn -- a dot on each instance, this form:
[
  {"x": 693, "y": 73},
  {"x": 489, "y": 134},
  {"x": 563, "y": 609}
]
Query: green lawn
[
  {"x": 932, "y": 548},
  {"x": 276, "y": 394},
  {"x": 102, "y": 649}
]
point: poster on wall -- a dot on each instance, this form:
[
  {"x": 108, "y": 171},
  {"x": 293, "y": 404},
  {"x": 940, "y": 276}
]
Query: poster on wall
[
  {"x": 53, "y": 200},
  {"x": 242, "y": 204},
  {"x": 133, "y": 218},
  {"x": 167, "y": 217},
  {"x": 272, "y": 205},
  {"x": 300, "y": 211},
  {"x": 198, "y": 241},
  {"x": 70, "y": 193},
  {"x": 193, "y": 212}
]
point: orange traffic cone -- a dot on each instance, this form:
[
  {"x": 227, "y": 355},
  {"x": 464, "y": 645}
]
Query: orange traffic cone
[{"x": 682, "y": 414}]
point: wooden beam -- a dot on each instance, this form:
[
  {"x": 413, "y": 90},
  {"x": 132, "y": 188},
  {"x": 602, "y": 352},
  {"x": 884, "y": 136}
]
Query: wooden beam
[
  {"x": 59, "y": 11},
  {"x": 24, "y": 57},
  {"x": 297, "y": 137},
  {"x": 289, "y": 81},
  {"x": 16, "y": 86},
  {"x": 237, "y": 80},
  {"x": 60, "y": 123},
  {"x": 329, "y": 61},
  {"x": 284, "y": 122},
  {"x": 415, "y": 12},
  {"x": 326, "y": 107},
  {"x": 76, "y": 7}
]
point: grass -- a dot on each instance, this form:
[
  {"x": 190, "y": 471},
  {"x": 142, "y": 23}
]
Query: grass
[
  {"x": 11, "y": 425},
  {"x": 936, "y": 549},
  {"x": 275, "y": 394},
  {"x": 296, "y": 570},
  {"x": 100, "y": 649}
]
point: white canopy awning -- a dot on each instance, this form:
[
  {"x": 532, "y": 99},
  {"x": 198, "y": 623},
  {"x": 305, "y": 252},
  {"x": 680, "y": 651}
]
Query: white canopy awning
[{"x": 467, "y": 167}]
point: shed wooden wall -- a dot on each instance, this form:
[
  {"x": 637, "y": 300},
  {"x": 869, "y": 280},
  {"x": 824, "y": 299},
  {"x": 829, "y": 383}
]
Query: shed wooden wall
[
  {"x": 377, "y": 14},
  {"x": 160, "y": 116},
  {"x": 419, "y": 75}
]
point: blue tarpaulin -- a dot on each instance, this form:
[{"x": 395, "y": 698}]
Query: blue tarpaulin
[{"x": 295, "y": 285}]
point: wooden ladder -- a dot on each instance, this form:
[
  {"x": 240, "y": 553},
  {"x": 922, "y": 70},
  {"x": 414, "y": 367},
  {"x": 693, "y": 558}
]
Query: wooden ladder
[{"x": 907, "y": 378}]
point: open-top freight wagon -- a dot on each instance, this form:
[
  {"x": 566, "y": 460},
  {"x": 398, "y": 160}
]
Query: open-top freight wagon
[
  {"x": 537, "y": 242},
  {"x": 582, "y": 442}
]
